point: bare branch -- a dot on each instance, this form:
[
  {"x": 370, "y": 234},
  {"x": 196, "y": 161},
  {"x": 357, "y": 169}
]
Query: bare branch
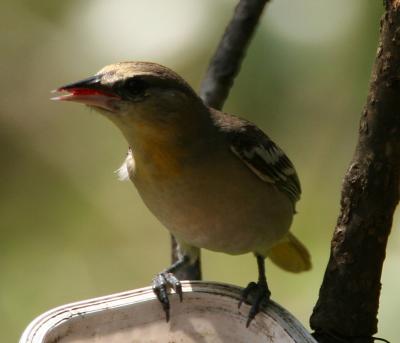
[
  {"x": 221, "y": 72},
  {"x": 226, "y": 62},
  {"x": 349, "y": 296}
]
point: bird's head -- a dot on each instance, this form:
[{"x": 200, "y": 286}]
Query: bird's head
[{"x": 136, "y": 94}]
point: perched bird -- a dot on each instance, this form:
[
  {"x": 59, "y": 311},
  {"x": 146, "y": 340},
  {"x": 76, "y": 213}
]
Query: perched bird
[{"x": 214, "y": 180}]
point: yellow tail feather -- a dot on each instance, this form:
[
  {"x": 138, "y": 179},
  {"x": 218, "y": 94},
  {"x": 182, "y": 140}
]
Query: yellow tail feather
[{"x": 291, "y": 255}]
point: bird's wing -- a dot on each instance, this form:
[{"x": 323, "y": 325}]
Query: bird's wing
[{"x": 260, "y": 154}]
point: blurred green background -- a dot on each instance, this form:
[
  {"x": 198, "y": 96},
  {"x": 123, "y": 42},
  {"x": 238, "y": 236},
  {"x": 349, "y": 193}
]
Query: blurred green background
[{"x": 70, "y": 230}]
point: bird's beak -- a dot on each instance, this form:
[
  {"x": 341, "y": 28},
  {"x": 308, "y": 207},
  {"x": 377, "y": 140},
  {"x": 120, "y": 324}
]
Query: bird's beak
[{"x": 89, "y": 91}]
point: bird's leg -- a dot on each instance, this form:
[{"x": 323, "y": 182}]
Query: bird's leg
[
  {"x": 256, "y": 293},
  {"x": 167, "y": 279}
]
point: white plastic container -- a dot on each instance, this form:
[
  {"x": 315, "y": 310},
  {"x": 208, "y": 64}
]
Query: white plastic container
[{"x": 208, "y": 314}]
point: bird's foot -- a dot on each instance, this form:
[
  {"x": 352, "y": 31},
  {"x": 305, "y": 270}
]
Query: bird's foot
[
  {"x": 256, "y": 294},
  {"x": 161, "y": 283}
]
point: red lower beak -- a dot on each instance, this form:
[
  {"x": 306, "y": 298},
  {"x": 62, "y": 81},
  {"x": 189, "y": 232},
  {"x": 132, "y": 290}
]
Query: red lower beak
[{"x": 87, "y": 96}]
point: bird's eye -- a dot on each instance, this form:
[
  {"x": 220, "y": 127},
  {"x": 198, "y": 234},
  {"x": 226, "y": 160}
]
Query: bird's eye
[{"x": 135, "y": 85}]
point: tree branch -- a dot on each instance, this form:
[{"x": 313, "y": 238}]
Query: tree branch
[
  {"x": 349, "y": 296},
  {"x": 226, "y": 62},
  {"x": 221, "y": 72}
]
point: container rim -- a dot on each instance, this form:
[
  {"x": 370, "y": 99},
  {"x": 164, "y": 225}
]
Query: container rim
[{"x": 37, "y": 330}]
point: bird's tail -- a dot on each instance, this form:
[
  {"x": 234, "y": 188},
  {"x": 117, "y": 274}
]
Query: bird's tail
[{"x": 291, "y": 255}]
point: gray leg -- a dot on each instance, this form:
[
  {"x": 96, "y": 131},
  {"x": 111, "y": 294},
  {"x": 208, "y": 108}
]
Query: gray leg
[
  {"x": 167, "y": 279},
  {"x": 256, "y": 293}
]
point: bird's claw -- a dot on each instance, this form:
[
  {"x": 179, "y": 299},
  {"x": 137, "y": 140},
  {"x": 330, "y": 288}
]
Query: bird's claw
[
  {"x": 256, "y": 294},
  {"x": 161, "y": 283}
]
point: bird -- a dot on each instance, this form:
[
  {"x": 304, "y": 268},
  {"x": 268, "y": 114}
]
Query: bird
[{"x": 214, "y": 180}]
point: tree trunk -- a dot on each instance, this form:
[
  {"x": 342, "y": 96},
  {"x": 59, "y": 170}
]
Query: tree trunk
[{"x": 347, "y": 307}]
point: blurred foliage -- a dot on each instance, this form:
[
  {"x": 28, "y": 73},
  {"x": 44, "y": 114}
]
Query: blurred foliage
[{"x": 70, "y": 230}]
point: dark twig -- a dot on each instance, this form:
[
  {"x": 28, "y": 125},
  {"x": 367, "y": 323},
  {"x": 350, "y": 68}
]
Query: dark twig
[
  {"x": 226, "y": 62},
  {"x": 221, "y": 72},
  {"x": 349, "y": 296}
]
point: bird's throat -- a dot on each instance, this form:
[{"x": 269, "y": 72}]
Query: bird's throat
[{"x": 156, "y": 154}]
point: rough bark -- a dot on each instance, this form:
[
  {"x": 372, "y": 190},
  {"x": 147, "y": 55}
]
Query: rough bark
[
  {"x": 347, "y": 307},
  {"x": 221, "y": 72}
]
